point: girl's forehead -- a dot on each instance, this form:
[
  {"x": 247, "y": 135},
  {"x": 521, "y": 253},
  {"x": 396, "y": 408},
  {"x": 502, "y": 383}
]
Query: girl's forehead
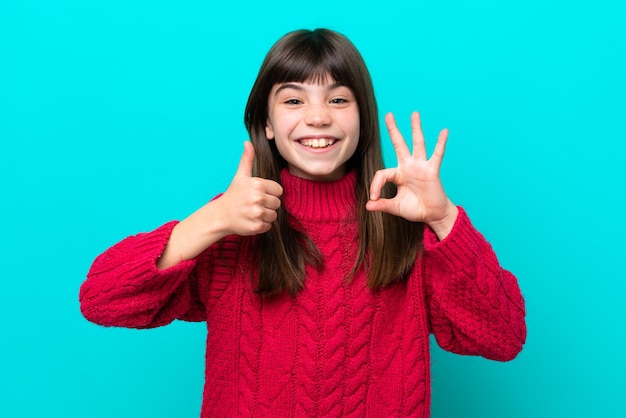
[
  {"x": 328, "y": 82},
  {"x": 308, "y": 87},
  {"x": 314, "y": 79}
]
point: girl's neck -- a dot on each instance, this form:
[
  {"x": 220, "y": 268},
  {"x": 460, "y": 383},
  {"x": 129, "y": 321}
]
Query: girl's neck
[{"x": 317, "y": 200}]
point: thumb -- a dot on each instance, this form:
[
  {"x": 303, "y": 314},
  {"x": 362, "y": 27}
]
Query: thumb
[{"x": 247, "y": 158}]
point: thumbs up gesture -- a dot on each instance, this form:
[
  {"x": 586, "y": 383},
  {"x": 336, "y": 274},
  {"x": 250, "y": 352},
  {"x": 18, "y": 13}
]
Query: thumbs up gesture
[
  {"x": 248, "y": 207},
  {"x": 251, "y": 202}
]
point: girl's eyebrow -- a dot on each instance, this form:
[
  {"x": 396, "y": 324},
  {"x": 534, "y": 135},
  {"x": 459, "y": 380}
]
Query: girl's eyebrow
[{"x": 300, "y": 88}]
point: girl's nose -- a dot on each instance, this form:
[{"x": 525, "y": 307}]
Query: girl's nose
[{"x": 317, "y": 115}]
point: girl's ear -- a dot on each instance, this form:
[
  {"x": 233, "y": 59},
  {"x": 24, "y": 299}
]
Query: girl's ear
[{"x": 269, "y": 131}]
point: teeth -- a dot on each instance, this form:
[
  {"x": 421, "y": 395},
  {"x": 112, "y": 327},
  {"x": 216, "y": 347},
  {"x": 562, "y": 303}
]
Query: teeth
[{"x": 318, "y": 143}]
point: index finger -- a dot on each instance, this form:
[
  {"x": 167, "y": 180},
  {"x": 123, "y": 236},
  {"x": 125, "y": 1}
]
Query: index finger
[
  {"x": 402, "y": 150},
  {"x": 272, "y": 188}
]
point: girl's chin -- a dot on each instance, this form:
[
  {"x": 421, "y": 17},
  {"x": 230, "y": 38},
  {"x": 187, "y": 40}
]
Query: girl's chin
[{"x": 318, "y": 174}]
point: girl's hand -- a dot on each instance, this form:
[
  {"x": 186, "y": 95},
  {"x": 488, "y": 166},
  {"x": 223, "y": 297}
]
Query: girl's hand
[
  {"x": 420, "y": 196},
  {"x": 248, "y": 207}
]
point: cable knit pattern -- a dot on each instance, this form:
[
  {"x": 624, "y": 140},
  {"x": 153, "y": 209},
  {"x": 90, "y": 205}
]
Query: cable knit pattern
[{"x": 336, "y": 349}]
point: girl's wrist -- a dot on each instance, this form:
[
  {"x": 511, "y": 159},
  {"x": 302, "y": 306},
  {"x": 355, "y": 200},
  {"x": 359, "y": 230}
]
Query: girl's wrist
[{"x": 443, "y": 226}]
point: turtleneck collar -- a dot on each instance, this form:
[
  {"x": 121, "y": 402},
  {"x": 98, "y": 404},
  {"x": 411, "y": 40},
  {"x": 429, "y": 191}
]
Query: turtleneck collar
[{"x": 319, "y": 200}]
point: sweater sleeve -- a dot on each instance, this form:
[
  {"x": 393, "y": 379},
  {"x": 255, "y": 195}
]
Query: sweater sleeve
[
  {"x": 476, "y": 307},
  {"x": 125, "y": 288}
]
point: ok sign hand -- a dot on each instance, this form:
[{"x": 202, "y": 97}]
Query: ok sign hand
[{"x": 420, "y": 196}]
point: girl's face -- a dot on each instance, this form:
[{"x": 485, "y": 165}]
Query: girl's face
[{"x": 315, "y": 126}]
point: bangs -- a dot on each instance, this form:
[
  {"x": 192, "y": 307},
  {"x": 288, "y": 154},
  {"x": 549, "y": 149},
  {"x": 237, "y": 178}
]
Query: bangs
[{"x": 312, "y": 59}]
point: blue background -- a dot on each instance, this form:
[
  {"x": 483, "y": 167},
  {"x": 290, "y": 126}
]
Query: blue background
[{"x": 116, "y": 116}]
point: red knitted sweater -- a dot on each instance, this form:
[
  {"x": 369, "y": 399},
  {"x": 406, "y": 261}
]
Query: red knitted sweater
[{"x": 337, "y": 349}]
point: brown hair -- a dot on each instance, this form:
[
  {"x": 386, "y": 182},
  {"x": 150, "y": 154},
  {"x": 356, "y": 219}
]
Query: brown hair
[{"x": 388, "y": 245}]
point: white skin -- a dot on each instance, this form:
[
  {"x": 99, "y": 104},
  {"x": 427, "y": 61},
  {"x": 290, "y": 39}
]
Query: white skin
[
  {"x": 316, "y": 129},
  {"x": 315, "y": 126},
  {"x": 420, "y": 196}
]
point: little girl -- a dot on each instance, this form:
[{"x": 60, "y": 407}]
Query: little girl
[{"x": 319, "y": 273}]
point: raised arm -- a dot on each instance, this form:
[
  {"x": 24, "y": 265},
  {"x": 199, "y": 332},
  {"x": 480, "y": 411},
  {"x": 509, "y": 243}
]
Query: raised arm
[
  {"x": 149, "y": 279},
  {"x": 475, "y": 306}
]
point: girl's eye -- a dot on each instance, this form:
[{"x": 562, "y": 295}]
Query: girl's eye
[
  {"x": 293, "y": 101},
  {"x": 338, "y": 101}
]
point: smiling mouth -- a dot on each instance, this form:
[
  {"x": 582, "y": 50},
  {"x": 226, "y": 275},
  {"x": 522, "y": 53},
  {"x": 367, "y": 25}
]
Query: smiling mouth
[{"x": 317, "y": 143}]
